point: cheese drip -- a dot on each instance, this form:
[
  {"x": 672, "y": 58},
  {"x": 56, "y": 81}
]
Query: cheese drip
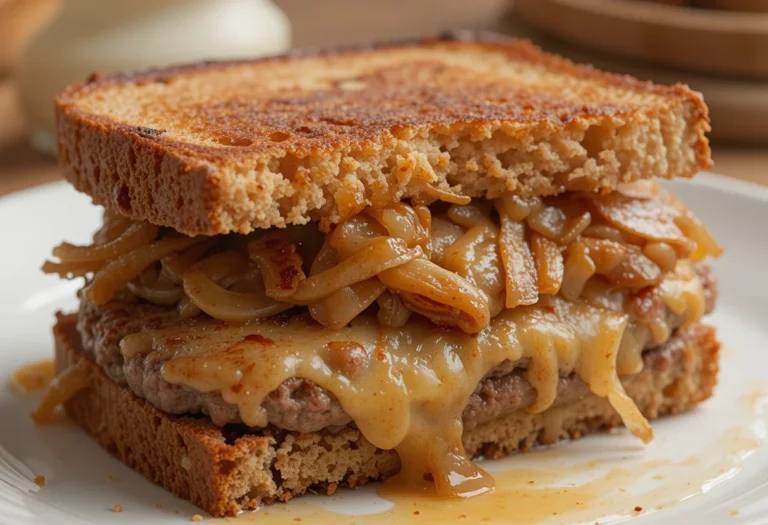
[{"x": 410, "y": 385}]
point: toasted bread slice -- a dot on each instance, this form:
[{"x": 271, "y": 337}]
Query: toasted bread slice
[
  {"x": 232, "y": 146},
  {"x": 225, "y": 470}
]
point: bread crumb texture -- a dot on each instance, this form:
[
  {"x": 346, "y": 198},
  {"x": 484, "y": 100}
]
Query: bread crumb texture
[
  {"x": 235, "y": 470},
  {"x": 233, "y": 146}
]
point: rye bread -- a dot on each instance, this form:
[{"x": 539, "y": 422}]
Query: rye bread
[{"x": 213, "y": 148}]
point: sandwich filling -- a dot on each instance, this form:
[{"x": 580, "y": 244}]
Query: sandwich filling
[{"x": 397, "y": 314}]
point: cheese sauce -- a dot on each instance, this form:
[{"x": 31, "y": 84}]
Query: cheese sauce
[
  {"x": 553, "y": 492},
  {"x": 409, "y": 386},
  {"x": 33, "y": 377}
]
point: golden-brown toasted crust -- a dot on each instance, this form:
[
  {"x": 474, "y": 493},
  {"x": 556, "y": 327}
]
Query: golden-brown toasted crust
[
  {"x": 232, "y": 146},
  {"x": 225, "y": 471}
]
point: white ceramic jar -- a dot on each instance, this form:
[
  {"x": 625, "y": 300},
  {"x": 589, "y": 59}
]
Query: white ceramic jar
[{"x": 121, "y": 35}]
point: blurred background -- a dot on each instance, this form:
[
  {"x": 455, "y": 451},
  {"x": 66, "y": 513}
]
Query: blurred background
[{"x": 719, "y": 47}]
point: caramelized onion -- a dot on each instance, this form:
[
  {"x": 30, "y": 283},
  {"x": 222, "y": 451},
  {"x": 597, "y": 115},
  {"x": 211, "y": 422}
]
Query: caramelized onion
[
  {"x": 425, "y": 217},
  {"x": 222, "y": 266},
  {"x": 547, "y": 221},
  {"x": 206, "y": 283},
  {"x": 113, "y": 227},
  {"x": 378, "y": 256},
  {"x": 174, "y": 266},
  {"x": 639, "y": 189},
  {"x": 326, "y": 258},
  {"x": 471, "y": 215},
  {"x": 353, "y": 235},
  {"x": 578, "y": 269},
  {"x": 115, "y": 275},
  {"x": 187, "y": 309},
  {"x": 401, "y": 221},
  {"x": 635, "y": 270},
  {"x": 339, "y": 308},
  {"x": 220, "y": 303},
  {"x": 350, "y": 200},
  {"x": 135, "y": 236},
  {"x": 439, "y": 294},
  {"x": 606, "y": 254},
  {"x": 573, "y": 227},
  {"x": 517, "y": 208},
  {"x": 706, "y": 244},
  {"x": 392, "y": 311},
  {"x": 62, "y": 389},
  {"x": 70, "y": 270},
  {"x": 631, "y": 237},
  {"x": 444, "y": 234},
  {"x": 602, "y": 231},
  {"x": 279, "y": 263},
  {"x": 444, "y": 195},
  {"x": 157, "y": 293},
  {"x": 519, "y": 266},
  {"x": 475, "y": 256},
  {"x": 249, "y": 282},
  {"x": 562, "y": 221},
  {"x": 650, "y": 219},
  {"x": 549, "y": 264},
  {"x": 662, "y": 254},
  {"x": 630, "y": 415}
]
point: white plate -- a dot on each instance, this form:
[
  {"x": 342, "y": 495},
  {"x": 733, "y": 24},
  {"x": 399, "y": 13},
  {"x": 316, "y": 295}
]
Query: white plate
[{"x": 708, "y": 466}]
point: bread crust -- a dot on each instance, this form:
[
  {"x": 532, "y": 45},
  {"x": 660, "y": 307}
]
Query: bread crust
[
  {"x": 228, "y": 470},
  {"x": 314, "y": 135}
]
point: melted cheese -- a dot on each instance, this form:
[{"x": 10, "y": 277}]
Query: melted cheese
[
  {"x": 410, "y": 388},
  {"x": 33, "y": 376}
]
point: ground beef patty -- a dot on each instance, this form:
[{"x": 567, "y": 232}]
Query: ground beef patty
[{"x": 298, "y": 404}]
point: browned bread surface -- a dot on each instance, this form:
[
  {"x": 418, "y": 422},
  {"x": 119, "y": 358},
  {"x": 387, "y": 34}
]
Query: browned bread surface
[
  {"x": 225, "y": 471},
  {"x": 232, "y": 146}
]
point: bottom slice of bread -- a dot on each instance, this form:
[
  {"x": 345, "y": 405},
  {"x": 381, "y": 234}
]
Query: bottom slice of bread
[{"x": 228, "y": 470}]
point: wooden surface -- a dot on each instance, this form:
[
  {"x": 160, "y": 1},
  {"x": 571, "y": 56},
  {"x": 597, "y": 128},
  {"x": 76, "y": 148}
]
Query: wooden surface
[{"x": 333, "y": 22}]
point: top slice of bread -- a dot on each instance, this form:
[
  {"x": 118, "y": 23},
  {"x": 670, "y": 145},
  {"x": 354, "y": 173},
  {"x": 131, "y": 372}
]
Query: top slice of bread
[{"x": 233, "y": 146}]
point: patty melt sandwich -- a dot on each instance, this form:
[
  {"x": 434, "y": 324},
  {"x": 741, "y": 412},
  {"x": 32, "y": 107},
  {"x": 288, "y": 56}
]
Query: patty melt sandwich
[{"x": 325, "y": 268}]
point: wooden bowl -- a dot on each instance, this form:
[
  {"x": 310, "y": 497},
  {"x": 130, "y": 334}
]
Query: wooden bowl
[
  {"x": 758, "y": 6},
  {"x": 18, "y": 20},
  {"x": 705, "y": 40}
]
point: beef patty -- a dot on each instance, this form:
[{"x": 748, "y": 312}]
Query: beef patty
[{"x": 298, "y": 404}]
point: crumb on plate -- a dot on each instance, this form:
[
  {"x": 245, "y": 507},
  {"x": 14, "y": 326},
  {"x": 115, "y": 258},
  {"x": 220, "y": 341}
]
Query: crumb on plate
[{"x": 39, "y": 481}]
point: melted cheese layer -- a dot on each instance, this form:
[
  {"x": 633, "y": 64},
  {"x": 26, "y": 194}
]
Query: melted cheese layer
[{"x": 410, "y": 385}]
